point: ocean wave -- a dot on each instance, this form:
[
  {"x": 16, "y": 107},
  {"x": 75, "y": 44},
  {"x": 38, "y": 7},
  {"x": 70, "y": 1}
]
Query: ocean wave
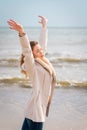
[
  {"x": 68, "y": 60},
  {"x": 27, "y": 83},
  {"x": 9, "y": 62},
  {"x": 23, "y": 82},
  {"x": 55, "y": 60},
  {"x": 71, "y": 84}
]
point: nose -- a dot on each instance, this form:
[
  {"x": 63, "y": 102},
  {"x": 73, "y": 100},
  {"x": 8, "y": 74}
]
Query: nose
[{"x": 41, "y": 52}]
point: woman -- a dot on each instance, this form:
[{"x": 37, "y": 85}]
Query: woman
[{"x": 41, "y": 74}]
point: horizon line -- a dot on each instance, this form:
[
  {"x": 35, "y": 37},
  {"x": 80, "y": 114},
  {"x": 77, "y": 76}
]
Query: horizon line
[{"x": 50, "y": 26}]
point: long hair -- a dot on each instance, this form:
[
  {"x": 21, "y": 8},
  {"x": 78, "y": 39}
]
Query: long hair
[{"x": 32, "y": 44}]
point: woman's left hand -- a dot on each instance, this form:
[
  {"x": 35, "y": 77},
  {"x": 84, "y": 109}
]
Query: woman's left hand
[{"x": 43, "y": 21}]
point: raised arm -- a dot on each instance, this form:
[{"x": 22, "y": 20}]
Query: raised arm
[
  {"x": 44, "y": 33},
  {"x": 26, "y": 49}
]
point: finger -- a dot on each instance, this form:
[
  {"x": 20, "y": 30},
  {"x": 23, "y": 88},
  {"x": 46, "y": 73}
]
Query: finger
[
  {"x": 42, "y": 17},
  {"x": 11, "y": 20},
  {"x": 10, "y": 23},
  {"x": 11, "y": 27}
]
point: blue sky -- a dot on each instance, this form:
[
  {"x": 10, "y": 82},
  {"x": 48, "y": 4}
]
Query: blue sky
[{"x": 61, "y": 13}]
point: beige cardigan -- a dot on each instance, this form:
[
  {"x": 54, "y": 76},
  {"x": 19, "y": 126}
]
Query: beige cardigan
[{"x": 42, "y": 83}]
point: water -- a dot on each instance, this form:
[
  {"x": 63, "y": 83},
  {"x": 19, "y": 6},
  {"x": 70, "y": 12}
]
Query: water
[{"x": 67, "y": 50}]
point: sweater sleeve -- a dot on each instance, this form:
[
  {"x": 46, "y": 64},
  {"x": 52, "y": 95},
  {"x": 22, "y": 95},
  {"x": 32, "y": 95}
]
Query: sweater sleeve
[
  {"x": 43, "y": 38},
  {"x": 28, "y": 56}
]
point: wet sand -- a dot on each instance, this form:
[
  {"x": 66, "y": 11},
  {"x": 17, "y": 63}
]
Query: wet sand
[{"x": 61, "y": 117}]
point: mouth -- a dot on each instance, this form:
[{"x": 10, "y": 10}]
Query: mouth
[{"x": 42, "y": 55}]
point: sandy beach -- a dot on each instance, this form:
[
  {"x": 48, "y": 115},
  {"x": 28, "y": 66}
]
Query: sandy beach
[{"x": 63, "y": 114}]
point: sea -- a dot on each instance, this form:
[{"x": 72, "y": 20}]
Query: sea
[{"x": 66, "y": 50}]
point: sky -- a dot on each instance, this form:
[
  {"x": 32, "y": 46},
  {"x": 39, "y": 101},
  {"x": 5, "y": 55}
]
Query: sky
[{"x": 60, "y": 13}]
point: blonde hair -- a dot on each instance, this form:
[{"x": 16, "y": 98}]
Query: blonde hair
[{"x": 21, "y": 63}]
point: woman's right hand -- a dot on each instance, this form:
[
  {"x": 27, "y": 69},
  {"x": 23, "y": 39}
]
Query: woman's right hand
[{"x": 16, "y": 26}]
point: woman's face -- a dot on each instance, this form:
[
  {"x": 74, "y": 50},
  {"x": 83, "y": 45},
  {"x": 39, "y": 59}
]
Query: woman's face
[{"x": 38, "y": 52}]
